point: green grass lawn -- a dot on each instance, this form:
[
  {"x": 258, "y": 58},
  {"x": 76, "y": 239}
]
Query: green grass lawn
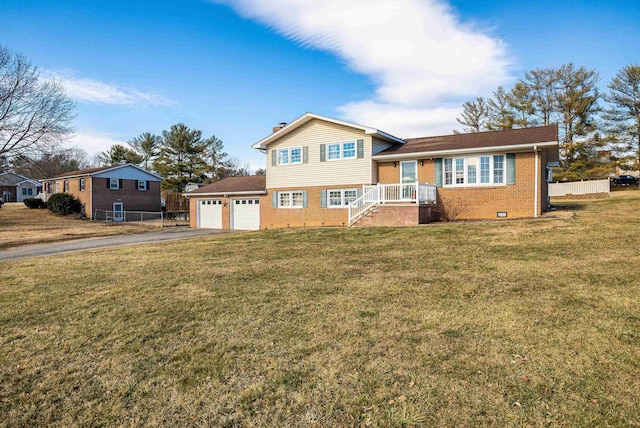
[{"x": 533, "y": 323}]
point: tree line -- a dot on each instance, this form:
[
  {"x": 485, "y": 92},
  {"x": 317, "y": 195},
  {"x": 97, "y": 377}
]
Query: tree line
[
  {"x": 597, "y": 130},
  {"x": 180, "y": 155}
]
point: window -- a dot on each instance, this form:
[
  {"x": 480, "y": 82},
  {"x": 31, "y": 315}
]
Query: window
[
  {"x": 296, "y": 155},
  {"x": 114, "y": 184},
  {"x": 340, "y": 198},
  {"x": 333, "y": 152},
  {"x": 460, "y": 171},
  {"x": 66, "y": 185},
  {"x": 290, "y": 199},
  {"x": 142, "y": 185},
  {"x": 472, "y": 170},
  {"x": 448, "y": 171},
  {"x": 498, "y": 169},
  {"x": 465, "y": 170},
  {"x": 81, "y": 185},
  {"x": 283, "y": 157},
  {"x": 57, "y": 186},
  {"x": 349, "y": 150},
  {"x": 27, "y": 191}
]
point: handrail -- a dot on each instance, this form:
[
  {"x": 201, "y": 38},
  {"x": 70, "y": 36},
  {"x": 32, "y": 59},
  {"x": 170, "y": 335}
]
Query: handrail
[{"x": 384, "y": 193}]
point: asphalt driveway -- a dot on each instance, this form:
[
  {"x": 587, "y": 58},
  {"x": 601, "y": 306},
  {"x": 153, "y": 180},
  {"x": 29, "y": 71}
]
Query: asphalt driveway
[{"x": 166, "y": 234}]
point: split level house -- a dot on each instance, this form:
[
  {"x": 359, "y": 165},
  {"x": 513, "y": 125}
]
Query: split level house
[
  {"x": 326, "y": 172},
  {"x": 107, "y": 192},
  {"x": 16, "y": 188}
]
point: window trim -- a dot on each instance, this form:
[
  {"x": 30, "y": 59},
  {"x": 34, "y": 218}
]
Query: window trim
[
  {"x": 144, "y": 187},
  {"x": 65, "y": 186},
  {"x": 341, "y": 150},
  {"x": 290, "y": 194},
  {"x": 343, "y": 203},
  {"x": 82, "y": 185},
  {"x": 453, "y": 163},
  {"x": 111, "y": 181}
]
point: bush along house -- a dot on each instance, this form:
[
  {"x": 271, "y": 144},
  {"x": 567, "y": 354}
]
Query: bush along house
[
  {"x": 114, "y": 189},
  {"x": 327, "y": 172}
]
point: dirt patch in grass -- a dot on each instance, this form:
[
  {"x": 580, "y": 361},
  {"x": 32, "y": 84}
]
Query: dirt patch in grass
[
  {"x": 530, "y": 323},
  {"x": 20, "y": 225}
]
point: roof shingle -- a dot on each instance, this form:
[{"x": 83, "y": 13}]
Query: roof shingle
[{"x": 250, "y": 183}]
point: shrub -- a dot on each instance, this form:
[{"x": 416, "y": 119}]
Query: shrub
[
  {"x": 34, "y": 203},
  {"x": 63, "y": 203}
]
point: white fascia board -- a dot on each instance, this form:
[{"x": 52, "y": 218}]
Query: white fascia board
[
  {"x": 441, "y": 153},
  {"x": 262, "y": 144},
  {"x": 248, "y": 192},
  {"x": 28, "y": 180}
]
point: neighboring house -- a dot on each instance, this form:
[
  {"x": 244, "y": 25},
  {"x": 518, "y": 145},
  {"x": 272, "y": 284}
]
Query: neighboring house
[
  {"x": 16, "y": 188},
  {"x": 327, "y": 172},
  {"x": 115, "y": 188}
]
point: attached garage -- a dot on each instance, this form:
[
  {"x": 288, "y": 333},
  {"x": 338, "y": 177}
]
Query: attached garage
[
  {"x": 232, "y": 203},
  {"x": 245, "y": 214},
  {"x": 209, "y": 214}
]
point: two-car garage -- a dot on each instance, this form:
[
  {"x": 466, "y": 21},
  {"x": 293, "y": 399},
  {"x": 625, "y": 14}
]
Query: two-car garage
[{"x": 232, "y": 203}]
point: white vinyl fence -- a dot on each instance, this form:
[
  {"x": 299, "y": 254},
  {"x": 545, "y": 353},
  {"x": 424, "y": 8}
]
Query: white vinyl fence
[{"x": 579, "y": 188}]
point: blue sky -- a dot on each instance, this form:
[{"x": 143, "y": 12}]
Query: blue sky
[{"x": 237, "y": 68}]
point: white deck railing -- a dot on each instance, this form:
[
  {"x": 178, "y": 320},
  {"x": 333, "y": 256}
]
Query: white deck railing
[
  {"x": 384, "y": 193},
  {"x": 579, "y": 187}
]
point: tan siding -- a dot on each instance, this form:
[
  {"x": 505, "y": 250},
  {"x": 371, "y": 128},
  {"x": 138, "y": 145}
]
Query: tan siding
[
  {"x": 376, "y": 147},
  {"x": 316, "y": 173}
]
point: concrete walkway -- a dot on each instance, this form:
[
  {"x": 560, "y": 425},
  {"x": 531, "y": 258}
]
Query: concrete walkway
[{"x": 167, "y": 234}]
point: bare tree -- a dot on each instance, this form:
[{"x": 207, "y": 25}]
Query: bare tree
[
  {"x": 35, "y": 114},
  {"x": 474, "y": 115}
]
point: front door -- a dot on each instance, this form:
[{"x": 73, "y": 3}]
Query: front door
[
  {"x": 118, "y": 211},
  {"x": 408, "y": 178}
]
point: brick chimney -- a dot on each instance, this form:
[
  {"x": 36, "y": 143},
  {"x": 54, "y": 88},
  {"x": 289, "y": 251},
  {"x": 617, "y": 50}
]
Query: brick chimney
[{"x": 279, "y": 127}]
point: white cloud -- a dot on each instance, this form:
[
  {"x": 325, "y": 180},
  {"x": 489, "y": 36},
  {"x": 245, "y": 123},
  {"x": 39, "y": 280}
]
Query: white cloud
[
  {"x": 96, "y": 92},
  {"x": 93, "y": 142},
  {"x": 418, "y": 53}
]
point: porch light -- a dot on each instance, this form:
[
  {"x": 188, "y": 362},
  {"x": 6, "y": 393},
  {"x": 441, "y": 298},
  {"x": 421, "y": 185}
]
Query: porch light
[
  {"x": 394, "y": 164},
  {"x": 421, "y": 162}
]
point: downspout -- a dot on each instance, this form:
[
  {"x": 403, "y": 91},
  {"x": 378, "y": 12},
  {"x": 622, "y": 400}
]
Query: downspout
[{"x": 535, "y": 187}]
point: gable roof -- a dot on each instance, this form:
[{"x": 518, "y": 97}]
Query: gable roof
[
  {"x": 509, "y": 139},
  {"x": 307, "y": 117},
  {"x": 243, "y": 185},
  {"x": 13, "y": 179},
  {"x": 92, "y": 171}
]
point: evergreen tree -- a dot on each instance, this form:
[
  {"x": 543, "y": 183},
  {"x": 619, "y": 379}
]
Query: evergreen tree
[
  {"x": 543, "y": 84},
  {"x": 118, "y": 154},
  {"x": 474, "y": 115},
  {"x": 147, "y": 146},
  {"x": 622, "y": 119},
  {"x": 499, "y": 113},
  {"x": 182, "y": 157},
  {"x": 521, "y": 102}
]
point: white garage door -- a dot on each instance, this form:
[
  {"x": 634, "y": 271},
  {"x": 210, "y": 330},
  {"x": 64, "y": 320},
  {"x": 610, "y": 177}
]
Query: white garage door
[
  {"x": 210, "y": 214},
  {"x": 245, "y": 214}
]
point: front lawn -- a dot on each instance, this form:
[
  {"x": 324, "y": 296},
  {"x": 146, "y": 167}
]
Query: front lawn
[
  {"x": 20, "y": 225},
  {"x": 530, "y": 323}
]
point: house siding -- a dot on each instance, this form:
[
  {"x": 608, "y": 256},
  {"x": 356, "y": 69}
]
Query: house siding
[
  {"x": 315, "y": 173},
  {"x": 132, "y": 199}
]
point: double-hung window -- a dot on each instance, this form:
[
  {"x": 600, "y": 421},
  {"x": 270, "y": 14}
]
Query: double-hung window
[
  {"x": 66, "y": 186},
  {"x": 81, "y": 185},
  {"x": 333, "y": 151},
  {"x": 339, "y": 198},
  {"x": 293, "y": 199},
  {"x": 27, "y": 191},
  {"x": 474, "y": 170},
  {"x": 114, "y": 184},
  {"x": 142, "y": 185},
  {"x": 290, "y": 156},
  {"x": 349, "y": 150}
]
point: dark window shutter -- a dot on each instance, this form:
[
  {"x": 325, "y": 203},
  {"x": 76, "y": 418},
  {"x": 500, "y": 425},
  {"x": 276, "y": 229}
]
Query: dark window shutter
[
  {"x": 437, "y": 164},
  {"x": 323, "y": 152},
  {"x": 274, "y": 200},
  {"x": 511, "y": 168},
  {"x": 323, "y": 198},
  {"x": 120, "y": 184},
  {"x": 305, "y": 154},
  {"x": 360, "y": 149},
  {"x": 274, "y": 157},
  {"x": 147, "y": 186},
  {"x": 305, "y": 202},
  {"x": 108, "y": 183}
]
